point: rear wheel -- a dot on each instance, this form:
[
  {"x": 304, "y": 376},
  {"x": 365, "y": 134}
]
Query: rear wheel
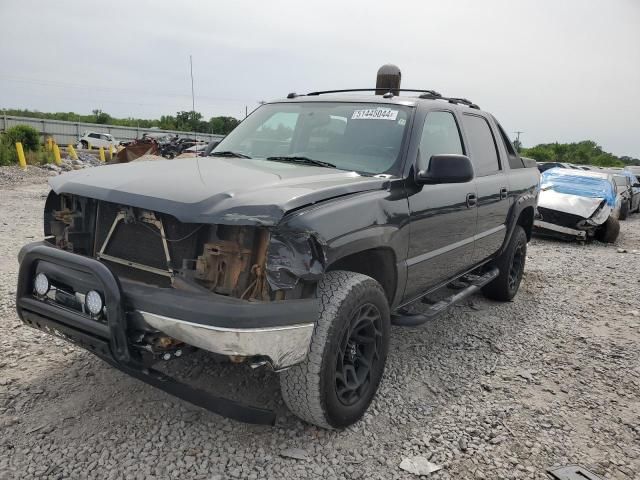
[
  {"x": 608, "y": 231},
  {"x": 334, "y": 386},
  {"x": 511, "y": 266},
  {"x": 84, "y": 144}
]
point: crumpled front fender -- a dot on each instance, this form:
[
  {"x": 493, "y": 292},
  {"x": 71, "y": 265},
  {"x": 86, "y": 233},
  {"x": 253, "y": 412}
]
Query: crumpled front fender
[{"x": 294, "y": 256}]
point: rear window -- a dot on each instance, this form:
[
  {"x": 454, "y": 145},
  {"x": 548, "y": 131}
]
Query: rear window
[{"x": 482, "y": 145}]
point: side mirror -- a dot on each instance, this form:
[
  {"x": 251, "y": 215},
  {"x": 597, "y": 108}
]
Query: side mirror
[{"x": 446, "y": 169}]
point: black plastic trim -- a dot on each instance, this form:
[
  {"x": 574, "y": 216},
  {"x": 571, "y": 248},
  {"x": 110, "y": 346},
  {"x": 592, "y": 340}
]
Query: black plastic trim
[
  {"x": 63, "y": 315},
  {"x": 217, "y": 310}
]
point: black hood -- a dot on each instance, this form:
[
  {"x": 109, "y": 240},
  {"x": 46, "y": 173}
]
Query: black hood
[{"x": 215, "y": 190}]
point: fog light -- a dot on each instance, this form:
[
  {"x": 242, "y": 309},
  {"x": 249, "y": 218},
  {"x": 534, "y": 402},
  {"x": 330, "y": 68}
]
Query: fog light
[
  {"x": 93, "y": 302},
  {"x": 41, "y": 284}
]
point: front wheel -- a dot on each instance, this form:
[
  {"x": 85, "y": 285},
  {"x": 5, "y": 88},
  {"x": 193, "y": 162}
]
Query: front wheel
[
  {"x": 608, "y": 232},
  {"x": 334, "y": 386},
  {"x": 511, "y": 266}
]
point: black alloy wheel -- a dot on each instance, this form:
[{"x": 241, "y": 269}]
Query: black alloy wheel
[
  {"x": 517, "y": 265},
  {"x": 511, "y": 265},
  {"x": 358, "y": 355}
]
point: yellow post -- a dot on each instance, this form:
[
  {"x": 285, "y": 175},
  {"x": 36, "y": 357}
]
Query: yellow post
[
  {"x": 72, "y": 152},
  {"x": 49, "y": 144},
  {"x": 56, "y": 154},
  {"x": 21, "y": 159},
  {"x": 111, "y": 150},
  {"x": 89, "y": 146},
  {"x": 102, "y": 159}
]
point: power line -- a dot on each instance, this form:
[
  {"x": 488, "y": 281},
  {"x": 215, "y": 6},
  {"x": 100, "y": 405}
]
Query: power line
[{"x": 93, "y": 88}]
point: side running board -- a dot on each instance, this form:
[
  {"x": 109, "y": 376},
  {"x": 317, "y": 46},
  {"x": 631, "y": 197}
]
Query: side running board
[{"x": 403, "y": 317}]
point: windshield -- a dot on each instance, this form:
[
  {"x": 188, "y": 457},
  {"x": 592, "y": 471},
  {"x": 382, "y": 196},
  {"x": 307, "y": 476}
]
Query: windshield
[{"x": 358, "y": 137}]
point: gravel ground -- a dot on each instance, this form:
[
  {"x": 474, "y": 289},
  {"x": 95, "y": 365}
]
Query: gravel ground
[{"x": 488, "y": 390}]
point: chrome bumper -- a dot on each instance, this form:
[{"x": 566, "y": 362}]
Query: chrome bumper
[
  {"x": 579, "y": 234},
  {"x": 284, "y": 346}
]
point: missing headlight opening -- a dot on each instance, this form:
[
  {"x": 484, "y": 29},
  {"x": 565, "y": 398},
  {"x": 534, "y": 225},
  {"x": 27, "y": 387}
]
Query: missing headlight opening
[{"x": 234, "y": 265}]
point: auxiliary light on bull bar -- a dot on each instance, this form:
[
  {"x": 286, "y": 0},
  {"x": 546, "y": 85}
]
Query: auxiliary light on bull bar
[
  {"x": 41, "y": 284},
  {"x": 93, "y": 302}
]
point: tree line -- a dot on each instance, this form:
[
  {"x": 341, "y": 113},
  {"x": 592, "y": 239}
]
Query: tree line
[
  {"x": 184, "y": 121},
  {"x": 586, "y": 152}
]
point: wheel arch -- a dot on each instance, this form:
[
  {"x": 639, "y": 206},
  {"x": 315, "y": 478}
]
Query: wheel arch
[
  {"x": 378, "y": 263},
  {"x": 525, "y": 220}
]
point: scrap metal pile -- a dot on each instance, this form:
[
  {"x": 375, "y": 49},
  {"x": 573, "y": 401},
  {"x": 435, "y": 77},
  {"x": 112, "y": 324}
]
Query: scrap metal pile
[{"x": 146, "y": 145}]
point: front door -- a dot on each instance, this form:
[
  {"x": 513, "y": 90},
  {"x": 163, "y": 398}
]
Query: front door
[
  {"x": 492, "y": 183},
  {"x": 443, "y": 217}
]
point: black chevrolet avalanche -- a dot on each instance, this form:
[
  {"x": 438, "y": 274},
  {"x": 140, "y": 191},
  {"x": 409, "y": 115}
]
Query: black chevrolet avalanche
[{"x": 312, "y": 227}]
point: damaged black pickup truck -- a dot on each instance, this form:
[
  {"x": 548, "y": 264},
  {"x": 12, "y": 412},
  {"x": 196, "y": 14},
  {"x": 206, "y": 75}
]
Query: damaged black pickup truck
[{"x": 312, "y": 227}]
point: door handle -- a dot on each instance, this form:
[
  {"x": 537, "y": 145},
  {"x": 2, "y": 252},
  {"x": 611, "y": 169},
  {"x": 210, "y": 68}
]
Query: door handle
[
  {"x": 503, "y": 193},
  {"x": 472, "y": 200}
]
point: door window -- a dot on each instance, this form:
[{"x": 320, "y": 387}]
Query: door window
[
  {"x": 482, "y": 145},
  {"x": 440, "y": 135}
]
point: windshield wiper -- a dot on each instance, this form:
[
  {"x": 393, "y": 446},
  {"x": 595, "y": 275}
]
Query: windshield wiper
[
  {"x": 300, "y": 159},
  {"x": 228, "y": 153}
]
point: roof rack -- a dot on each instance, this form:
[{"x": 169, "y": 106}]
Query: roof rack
[
  {"x": 425, "y": 94},
  {"x": 463, "y": 101},
  {"x": 322, "y": 92}
]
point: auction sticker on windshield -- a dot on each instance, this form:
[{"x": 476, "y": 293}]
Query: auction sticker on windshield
[{"x": 379, "y": 113}]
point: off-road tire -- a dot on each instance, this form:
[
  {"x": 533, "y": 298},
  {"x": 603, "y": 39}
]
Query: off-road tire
[
  {"x": 506, "y": 285},
  {"x": 624, "y": 210},
  {"x": 608, "y": 231},
  {"x": 309, "y": 388}
]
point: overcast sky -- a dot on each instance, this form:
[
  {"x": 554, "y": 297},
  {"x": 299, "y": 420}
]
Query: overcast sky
[{"x": 559, "y": 70}]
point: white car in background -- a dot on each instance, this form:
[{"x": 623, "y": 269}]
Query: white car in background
[{"x": 97, "y": 140}]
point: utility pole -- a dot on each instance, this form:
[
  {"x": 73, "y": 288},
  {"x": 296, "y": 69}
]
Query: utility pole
[
  {"x": 193, "y": 99},
  {"x": 518, "y": 144}
]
